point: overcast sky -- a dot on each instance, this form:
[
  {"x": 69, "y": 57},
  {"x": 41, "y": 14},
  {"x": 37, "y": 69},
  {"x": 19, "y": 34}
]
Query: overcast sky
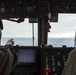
[
  {"x": 65, "y": 27},
  {"x": 13, "y": 29}
]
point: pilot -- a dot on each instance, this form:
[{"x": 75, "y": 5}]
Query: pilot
[
  {"x": 70, "y": 67},
  {"x": 8, "y": 58}
]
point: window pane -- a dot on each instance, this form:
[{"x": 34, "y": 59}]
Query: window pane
[
  {"x": 21, "y": 32},
  {"x": 63, "y": 31}
]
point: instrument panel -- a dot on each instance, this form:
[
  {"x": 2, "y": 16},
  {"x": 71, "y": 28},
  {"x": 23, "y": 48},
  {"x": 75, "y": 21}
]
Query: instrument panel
[
  {"x": 53, "y": 60},
  {"x": 40, "y": 61}
]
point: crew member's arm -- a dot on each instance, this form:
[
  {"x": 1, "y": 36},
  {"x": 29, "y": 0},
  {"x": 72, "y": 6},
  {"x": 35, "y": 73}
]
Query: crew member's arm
[
  {"x": 8, "y": 58},
  {"x": 70, "y": 67},
  {"x": 12, "y": 54}
]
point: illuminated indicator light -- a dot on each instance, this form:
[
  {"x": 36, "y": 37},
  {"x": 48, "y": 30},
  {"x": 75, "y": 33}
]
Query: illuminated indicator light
[
  {"x": 64, "y": 57},
  {"x": 58, "y": 63},
  {"x": 64, "y": 62},
  {"x": 58, "y": 53},
  {"x": 53, "y": 63},
  {"x": 48, "y": 70},
  {"x": 46, "y": 73},
  {"x": 53, "y": 58},
  {"x": 47, "y": 62},
  {"x": 47, "y": 66},
  {"x": 55, "y": 73},
  {"x": 53, "y": 69}
]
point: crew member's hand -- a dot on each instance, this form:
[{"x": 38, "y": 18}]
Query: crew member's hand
[{"x": 10, "y": 42}]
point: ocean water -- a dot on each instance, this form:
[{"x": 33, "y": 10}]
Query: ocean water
[
  {"x": 59, "y": 42},
  {"x": 55, "y": 42}
]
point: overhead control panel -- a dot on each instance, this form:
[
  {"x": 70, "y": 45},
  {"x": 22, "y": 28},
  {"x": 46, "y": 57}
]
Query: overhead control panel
[{"x": 35, "y": 8}]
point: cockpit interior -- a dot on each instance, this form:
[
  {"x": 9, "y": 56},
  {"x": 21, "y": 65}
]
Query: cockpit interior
[{"x": 44, "y": 32}]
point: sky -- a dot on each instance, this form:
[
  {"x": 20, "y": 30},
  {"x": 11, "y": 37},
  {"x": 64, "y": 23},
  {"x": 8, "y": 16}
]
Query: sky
[
  {"x": 14, "y": 29},
  {"x": 64, "y": 28}
]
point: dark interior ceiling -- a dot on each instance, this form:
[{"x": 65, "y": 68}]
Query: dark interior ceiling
[{"x": 35, "y": 8}]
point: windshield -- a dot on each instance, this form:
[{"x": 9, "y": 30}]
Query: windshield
[
  {"x": 24, "y": 33},
  {"x": 62, "y": 33}
]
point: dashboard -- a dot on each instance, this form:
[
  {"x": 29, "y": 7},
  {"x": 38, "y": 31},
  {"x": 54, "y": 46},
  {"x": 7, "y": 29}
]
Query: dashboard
[{"x": 40, "y": 61}]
